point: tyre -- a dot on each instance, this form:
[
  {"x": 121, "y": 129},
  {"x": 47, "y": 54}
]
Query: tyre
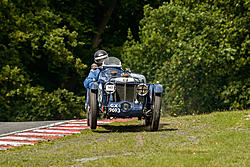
[
  {"x": 92, "y": 117},
  {"x": 156, "y": 112},
  {"x": 148, "y": 121},
  {"x": 88, "y": 113}
]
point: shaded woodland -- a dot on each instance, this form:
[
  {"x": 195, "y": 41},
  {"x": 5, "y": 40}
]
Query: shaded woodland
[{"x": 198, "y": 50}]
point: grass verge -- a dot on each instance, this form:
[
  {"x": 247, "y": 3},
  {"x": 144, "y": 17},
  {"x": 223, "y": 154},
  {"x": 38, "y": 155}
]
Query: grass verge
[{"x": 217, "y": 139}]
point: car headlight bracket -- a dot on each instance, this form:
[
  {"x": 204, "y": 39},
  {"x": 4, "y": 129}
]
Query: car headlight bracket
[
  {"x": 109, "y": 88},
  {"x": 142, "y": 89}
]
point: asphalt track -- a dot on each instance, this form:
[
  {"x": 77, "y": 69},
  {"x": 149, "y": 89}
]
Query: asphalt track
[{"x": 8, "y": 127}]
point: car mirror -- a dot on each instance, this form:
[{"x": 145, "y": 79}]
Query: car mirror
[{"x": 127, "y": 70}]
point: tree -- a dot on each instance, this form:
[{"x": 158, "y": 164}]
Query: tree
[
  {"x": 36, "y": 58},
  {"x": 42, "y": 51},
  {"x": 197, "y": 51}
]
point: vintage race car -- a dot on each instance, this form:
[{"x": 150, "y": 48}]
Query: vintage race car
[{"x": 120, "y": 93}]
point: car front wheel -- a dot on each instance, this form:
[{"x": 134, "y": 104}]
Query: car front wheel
[
  {"x": 156, "y": 112},
  {"x": 148, "y": 121},
  {"x": 92, "y": 116},
  {"x": 88, "y": 117}
]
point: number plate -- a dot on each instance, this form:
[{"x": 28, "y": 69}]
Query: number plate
[
  {"x": 114, "y": 110},
  {"x": 110, "y": 88}
]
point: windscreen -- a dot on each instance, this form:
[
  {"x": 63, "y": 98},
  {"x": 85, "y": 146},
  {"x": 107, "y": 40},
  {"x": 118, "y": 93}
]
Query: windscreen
[{"x": 112, "y": 62}]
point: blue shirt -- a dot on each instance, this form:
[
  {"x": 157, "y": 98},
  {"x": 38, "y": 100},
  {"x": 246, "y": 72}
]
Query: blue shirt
[{"x": 92, "y": 77}]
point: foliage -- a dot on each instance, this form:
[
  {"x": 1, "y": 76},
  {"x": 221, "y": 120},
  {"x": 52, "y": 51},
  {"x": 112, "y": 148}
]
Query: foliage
[
  {"x": 236, "y": 94},
  {"x": 22, "y": 102},
  {"x": 37, "y": 63},
  {"x": 200, "y": 47},
  {"x": 49, "y": 43},
  {"x": 198, "y": 52},
  {"x": 10, "y": 79},
  {"x": 127, "y": 14},
  {"x": 40, "y": 105}
]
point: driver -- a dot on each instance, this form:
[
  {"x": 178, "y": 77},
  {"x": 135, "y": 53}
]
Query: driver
[{"x": 99, "y": 57}]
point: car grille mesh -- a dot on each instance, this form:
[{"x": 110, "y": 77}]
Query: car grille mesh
[{"x": 125, "y": 92}]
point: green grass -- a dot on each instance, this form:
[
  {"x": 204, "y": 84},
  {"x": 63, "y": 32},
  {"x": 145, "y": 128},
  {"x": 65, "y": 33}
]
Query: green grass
[{"x": 217, "y": 139}]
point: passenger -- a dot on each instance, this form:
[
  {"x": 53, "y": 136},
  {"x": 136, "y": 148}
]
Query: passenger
[
  {"x": 94, "y": 66},
  {"x": 99, "y": 57}
]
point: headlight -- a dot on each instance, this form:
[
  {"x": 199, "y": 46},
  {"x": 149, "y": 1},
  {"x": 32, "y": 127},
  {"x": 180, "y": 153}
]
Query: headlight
[
  {"x": 142, "y": 89},
  {"x": 109, "y": 88}
]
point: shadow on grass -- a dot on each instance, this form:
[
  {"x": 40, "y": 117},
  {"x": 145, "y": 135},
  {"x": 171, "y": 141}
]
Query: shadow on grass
[{"x": 131, "y": 128}]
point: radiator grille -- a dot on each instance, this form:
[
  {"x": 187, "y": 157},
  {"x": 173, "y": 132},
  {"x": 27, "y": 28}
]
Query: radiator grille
[{"x": 125, "y": 92}]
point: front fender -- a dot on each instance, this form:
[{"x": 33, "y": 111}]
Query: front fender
[
  {"x": 93, "y": 85},
  {"x": 154, "y": 88},
  {"x": 158, "y": 88}
]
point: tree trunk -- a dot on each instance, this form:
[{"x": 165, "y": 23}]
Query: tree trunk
[{"x": 104, "y": 22}]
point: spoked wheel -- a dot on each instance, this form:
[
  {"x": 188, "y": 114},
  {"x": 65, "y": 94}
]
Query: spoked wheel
[
  {"x": 156, "y": 112},
  {"x": 92, "y": 116}
]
